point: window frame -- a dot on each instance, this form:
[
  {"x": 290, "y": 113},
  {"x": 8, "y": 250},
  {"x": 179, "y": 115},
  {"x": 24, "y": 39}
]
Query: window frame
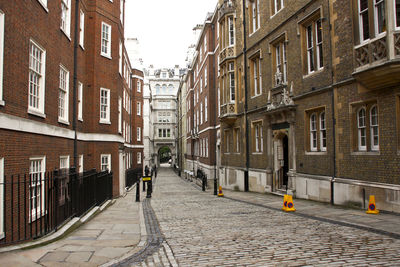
[
  {"x": 256, "y": 75},
  {"x": 372, "y": 128},
  {"x": 139, "y": 157},
  {"x": 63, "y": 111},
  {"x": 138, "y": 108},
  {"x": 254, "y": 16},
  {"x": 2, "y": 218},
  {"x": 66, "y": 29},
  {"x": 205, "y": 109},
  {"x": 258, "y": 139},
  {"x": 80, "y": 163},
  {"x": 322, "y": 131},
  {"x": 360, "y": 20},
  {"x": 82, "y": 29},
  {"x": 313, "y": 132},
  {"x": 231, "y": 31},
  {"x": 313, "y": 41},
  {"x": 232, "y": 82},
  {"x": 139, "y": 86},
  {"x": 396, "y": 19},
  {"x": 108, "y": 164},
  {"x": 67, "y": 162},
  {"x": 376, "y": 19},
  {"x": 138, "y": 134},
  {"x": 361, "y": 129},
  {"x": 2, "y": 27},
  {"x": 35, "y": 214},
  {"x": 106, "y": 54},
  {"x": 274, "y": 6},
  {"x": 39, "y": 111},
  {"x": 80, "y": 101},
  {"x": 105, "y": 120}
]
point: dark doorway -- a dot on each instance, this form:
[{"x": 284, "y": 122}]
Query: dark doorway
[{"x": 285, "y": 144}]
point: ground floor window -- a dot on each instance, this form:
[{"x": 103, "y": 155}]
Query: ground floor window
[
  {"x": 106, "y": 162},
  {"x": 37, "y": 170}
]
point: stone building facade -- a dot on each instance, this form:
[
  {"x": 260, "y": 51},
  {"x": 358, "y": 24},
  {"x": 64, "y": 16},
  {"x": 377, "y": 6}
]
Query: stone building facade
[
  {"x": 161, "y": 95},
  {"x": 68, "y": 93},
  {"x": 309, "y": 99}
]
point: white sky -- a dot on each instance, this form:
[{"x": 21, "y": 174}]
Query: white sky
[{"x": 164, "y": 27}]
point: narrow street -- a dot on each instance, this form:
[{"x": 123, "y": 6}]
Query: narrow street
[{"x": 203, "y": 230}]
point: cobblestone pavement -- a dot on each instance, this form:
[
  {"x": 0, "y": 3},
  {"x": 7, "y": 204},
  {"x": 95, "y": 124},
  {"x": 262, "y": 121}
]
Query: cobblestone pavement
[{"x": 203, "y": 230}]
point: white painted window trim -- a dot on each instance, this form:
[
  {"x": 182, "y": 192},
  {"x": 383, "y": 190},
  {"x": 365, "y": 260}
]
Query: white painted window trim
[
  {"x": 67, "y": 29},
  {"x": 138, "y": 108},
  {"x": 105, "y": 120},
  {"x": 139, "y": 86},
  {"x": 66, "y": 158},
  {"x": 64, "y": 119},
  {"x": 2, "y": 234},
  {"x": 33, "y": 213},
  {"x": 119, "y": 115},
  {"x": 397, "y": 28},
  {"x": 374, "y": 147},
  {"x": 139, "y": 158},
  {"x": 138, "y": 134},
  {"x": 82, "y": 29},
  {"x": 2, "y": 21},
  {"x": 321, "y": 131},
  {"x": 108, "y": 54},
  {"x": 121, "y": 7},
  {"x": 360, "y": 25},
  {"x": 359, "y": 128},
  {"x": 231, "y": 33},
  {"x": 317, "y": 49},
  {"x": 313, "y": 132},
  {"x": 80, "y": 101},
  {"x": 43, "y": 3},
  {"x": 310, "y": 49},
  {"x": 376, "y": 26},
  {"x": 205, "y": 109},
  {"x": 80, "y": 164},
  {"x": 31, "y": 110},
  {"x": 108, "y": 156},
  {"x": 120, "y": 58}
]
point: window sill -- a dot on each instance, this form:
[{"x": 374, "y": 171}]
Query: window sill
[
  {"x": 36, "y": 216},
  {"x": 2, "y": 235},
  {"x": 63, "y": 121},
  {"x": 106, "y": 56},
  {"x": 80, "y": 119},
  {"x": 36, "y": 113},
  {"x": 273, "y": 15},
  {"x": 44, "y": 6},
  {"x": 82, "y": 47},
  {"x": 316, "y": 153},
  {"x": 254, "y": 32},
  {"x": 105, "y": 122},
  {"x": 66, "y": 34},
  {"x": 365, "y": 153},
  {"x": 254, "y": 96},
  {"x": 257, "y": 153},
  {"x": 315, "y": 72},
  {"x": 2, "y": 103}
]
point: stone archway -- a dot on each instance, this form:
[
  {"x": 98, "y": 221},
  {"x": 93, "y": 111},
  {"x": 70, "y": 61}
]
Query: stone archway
[
  {"x": 281, "y": 158},
  {"x": 164, "y": 155}
]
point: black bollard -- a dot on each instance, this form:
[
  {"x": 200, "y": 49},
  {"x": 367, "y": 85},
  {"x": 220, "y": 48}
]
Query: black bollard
[
  {"x": 204, "y": 183},
  {"x": 144, "y": 186},
  {"x": 138, "y": 191},
  {"x": 149, "y": 189},
  {"x": 215, "y": 186}
]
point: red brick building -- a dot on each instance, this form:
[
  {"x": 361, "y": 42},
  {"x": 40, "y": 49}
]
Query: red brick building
[
  {"x": 68, "y": 95},
  {"x": 202, "y": 122}
]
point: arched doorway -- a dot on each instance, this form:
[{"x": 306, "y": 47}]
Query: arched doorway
[{"x": 164, "y": 155}]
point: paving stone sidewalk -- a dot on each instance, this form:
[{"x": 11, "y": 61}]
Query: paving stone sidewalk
[
  {"x": 383, "y": 223},
  {"x": 112, "y": 234}
]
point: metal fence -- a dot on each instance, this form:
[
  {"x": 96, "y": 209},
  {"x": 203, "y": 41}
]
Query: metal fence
[
  {"x": 132, "y": 176},
  {"x": 37, "y": 204}
]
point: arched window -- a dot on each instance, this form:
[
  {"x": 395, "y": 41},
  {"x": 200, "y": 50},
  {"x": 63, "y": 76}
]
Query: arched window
[
  {"x": 322, "y": 131},
  {"x": 313, "y": 132},
  {"x": 362, "y": 136},
  {"x": 170, "y": 88},
  {"x": 157, "y": 88},
  {"x": 164, "y": 88},
  {"x": 374, "y": 128}
]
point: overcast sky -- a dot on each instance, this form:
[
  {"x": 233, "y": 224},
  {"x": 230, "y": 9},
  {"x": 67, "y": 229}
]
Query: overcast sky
[{"x": 164, "y": 27}]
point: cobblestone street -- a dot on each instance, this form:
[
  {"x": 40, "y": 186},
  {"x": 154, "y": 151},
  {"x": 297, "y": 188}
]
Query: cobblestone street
[{"x": 203, "y": 230}]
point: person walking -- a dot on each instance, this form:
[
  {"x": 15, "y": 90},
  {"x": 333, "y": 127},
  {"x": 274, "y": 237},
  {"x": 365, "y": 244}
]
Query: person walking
[{"x": 146, "y": 170}]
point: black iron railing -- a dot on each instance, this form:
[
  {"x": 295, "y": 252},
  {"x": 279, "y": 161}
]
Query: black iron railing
[
  {"x": 35, "y": 205},
  {"x": 132, "y": 176}
]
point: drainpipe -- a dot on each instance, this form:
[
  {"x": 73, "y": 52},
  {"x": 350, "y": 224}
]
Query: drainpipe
[
  {"x": 74, "y": 109},
  {"x": 215, "y": 117},
  {"x": 333, "y": 112},
  {"x": 246, "y": 173}
]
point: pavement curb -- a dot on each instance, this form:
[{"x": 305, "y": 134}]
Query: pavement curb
[{"x": 73, "y": 223}]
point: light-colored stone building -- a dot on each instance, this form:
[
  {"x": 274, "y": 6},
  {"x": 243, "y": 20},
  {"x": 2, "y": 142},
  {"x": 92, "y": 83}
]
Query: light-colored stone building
[{"x": 160, "y": 99}]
